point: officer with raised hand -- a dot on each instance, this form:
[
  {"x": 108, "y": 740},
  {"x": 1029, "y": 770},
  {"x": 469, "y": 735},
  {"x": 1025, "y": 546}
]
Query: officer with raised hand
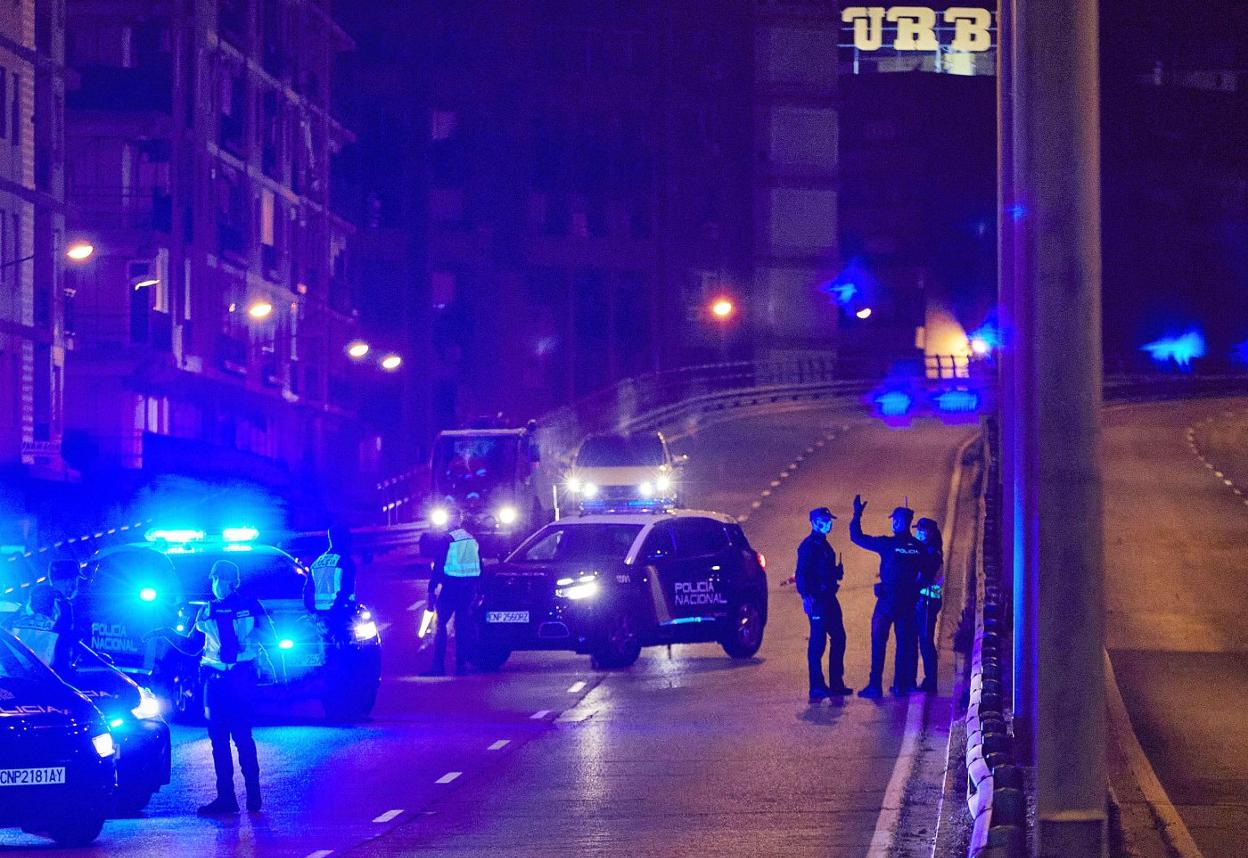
[
  {"x": 818, "y": 577},
  {"x": 902, "y": 558},
  {"x": 227, "y": 635},
  {"x": 451, "y": 590}
]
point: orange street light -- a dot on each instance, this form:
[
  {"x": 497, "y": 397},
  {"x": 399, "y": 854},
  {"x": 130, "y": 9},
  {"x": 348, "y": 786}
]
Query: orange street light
[
  {"x": 260, "y": 310},
  {"x": 391, "y": 362},
  {"x": 722, "y": 309},
  {"x": 80, "y": 251},
  {"x": 357, "y": 349},
  {"x": 864, "y": 313}
]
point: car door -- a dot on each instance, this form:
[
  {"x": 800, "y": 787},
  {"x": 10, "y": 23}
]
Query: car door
[
  {"x": 657, "y": 560},
  {"x": 697, "y": 579}
]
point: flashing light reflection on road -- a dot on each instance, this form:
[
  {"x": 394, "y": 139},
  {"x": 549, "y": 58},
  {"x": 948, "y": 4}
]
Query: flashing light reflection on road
[
  {"x": 895, "y": 403},
  {"x": 1182, "y": 349}
]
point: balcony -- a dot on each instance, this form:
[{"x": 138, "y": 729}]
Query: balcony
[
  {"x": 109, "y": 208},
  {"x": 148, "y": 88}
]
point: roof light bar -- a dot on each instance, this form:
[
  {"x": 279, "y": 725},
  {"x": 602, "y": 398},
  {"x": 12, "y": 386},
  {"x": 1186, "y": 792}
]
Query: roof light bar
[{"x": 174, "y": 536}]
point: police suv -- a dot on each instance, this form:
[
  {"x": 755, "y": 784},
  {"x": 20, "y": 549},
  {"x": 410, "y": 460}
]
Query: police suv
[
  {"x": 57, "y": 756},
  {"x": 138, "y": 588},
  {"x": 607, "y": 585}
]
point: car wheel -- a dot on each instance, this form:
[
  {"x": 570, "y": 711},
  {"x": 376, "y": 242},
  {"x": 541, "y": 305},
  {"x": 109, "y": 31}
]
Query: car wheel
[
  {"x": 622, "y": 646},
  {"x": 744, "y": 636},
  {"x": 77, "y": 828}
]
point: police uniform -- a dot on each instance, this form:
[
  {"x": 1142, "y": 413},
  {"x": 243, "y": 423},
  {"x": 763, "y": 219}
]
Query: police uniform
[
  {"x": 458, "y": 577},
  {"x": 330, "y": 589},
  {"x": 901, "y": 561},
  {"x": 38, "y": 632},
  {"x": 231, "y": 627},
  {"x": 818, "y": 579},
  {"x": 46, "y": 626},
  {"x": 926, "y": 612}
]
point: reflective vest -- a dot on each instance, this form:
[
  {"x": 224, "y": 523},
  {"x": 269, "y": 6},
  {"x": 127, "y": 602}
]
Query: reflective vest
[
  {"x": 327, "y": 580},
  {"x": 35, "y": 630},
  {"x": 227, "y": 626},
  {"x": 463, "y": 557}
]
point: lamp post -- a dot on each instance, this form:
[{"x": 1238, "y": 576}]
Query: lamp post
[{"x": 78, "y": 251}]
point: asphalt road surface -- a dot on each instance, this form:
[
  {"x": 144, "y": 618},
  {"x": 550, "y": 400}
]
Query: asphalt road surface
[
  {"x": 1176, "y": 543},
  {"x": 686, "y": 753}
]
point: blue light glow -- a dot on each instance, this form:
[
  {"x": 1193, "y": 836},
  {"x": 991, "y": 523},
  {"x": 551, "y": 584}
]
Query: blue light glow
[
  {"x": 176, "y": 536},
  {"x": 1240, "y": 352},
  {"x": 959, "y": 401},
  {"x": 1182, "y": 350},
  {"x": 844, "y": 292},
  {"x": 1016, "y": 212},
  {"x": 680, "y": 621},
  {"x": 148, "y": 594},
  {"x": 116, "y": 722},
  {"x": 240, "y": 534},
  {"x": 285, "y": 643},
  {"x": 895, "y": 403}
]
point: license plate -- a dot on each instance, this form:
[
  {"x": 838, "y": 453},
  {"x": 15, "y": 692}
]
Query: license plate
[
  {"x": 32, "y": 777},
  {"x": 312, "y": 661},
  {"x": 506, "y": 616}
]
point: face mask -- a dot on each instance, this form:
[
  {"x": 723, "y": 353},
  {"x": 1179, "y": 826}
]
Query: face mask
[
  {"x": 921, "y": 535},
  {"x": 221, "y": 588}
]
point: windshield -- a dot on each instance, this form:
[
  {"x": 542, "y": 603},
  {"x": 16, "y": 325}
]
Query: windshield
[
  {"x": 264, "y": 575},
  {"x": 464, "y": 465},
  {"x": 576, "y": 542},
  {"x": 614, "y": 451},
  {"x": 16, "y": 662}
]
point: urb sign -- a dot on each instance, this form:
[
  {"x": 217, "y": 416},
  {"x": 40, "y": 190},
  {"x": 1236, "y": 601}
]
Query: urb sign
[{"x": 916, "y": 27}]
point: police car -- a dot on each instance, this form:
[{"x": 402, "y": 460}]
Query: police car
[
  {"x": 57, "y": 756},
  {"x": 607, "y": 585},
  {"x": 138, "y": 588},
  {"x": 613, "y": 472}
]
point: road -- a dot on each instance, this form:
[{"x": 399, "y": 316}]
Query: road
[
  {"x": 686, "y": 753},
  {"x": 1176, "y": 506}
]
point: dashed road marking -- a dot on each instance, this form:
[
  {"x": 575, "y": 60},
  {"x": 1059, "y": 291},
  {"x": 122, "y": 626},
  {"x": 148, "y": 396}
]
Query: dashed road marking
[
  {"x": 416, "y": 606},
  {"x": 388, "y": 815},
  {"x": 539, "y": 714},
  {"x": 755, "y": 504},
  {"x": 1229, "y": 483},
  {"x": 766, "y": 493},
  {"x": 321, "y": 853},
  {"x": 576, "y": 687},
  {"x": 499, "y": 745},
  {"x": 775, "y": 483},
  {"x": 1219, "y": 474},
  {"x": 448, "y": 777}
]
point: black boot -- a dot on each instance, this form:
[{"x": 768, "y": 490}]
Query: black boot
[
  {"x": 253, "y": 796},
  {"x": 222, "y": 805}
]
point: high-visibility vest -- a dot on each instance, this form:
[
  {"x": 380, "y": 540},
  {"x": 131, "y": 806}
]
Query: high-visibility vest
[
  {"x": 463, "y": 557},
  {"x": 327, "y": 580},
  {"x": 228, "y": 625},
  {"x": 35, "y": 630}
]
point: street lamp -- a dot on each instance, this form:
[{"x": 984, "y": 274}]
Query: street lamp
[
  {"x": 864, "y": 313},
  {"x": 260, "y": 310},
  {"x": 357, "y": 349},
  {"x": 80, "y": 251},
  {"x": 722, "y": 309},
  {"x": 391, "y": 362}
]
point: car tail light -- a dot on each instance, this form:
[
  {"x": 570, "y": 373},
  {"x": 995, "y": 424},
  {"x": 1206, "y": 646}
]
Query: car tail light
[{"x": 762, "y": 559}]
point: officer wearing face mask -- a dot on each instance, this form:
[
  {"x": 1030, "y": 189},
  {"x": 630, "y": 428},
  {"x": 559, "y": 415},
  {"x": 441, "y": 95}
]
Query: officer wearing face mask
[
  {"x": 229, "y": 631},
  {"x": 818, "y": 577}
]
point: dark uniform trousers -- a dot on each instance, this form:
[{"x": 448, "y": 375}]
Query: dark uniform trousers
[
  {"x": 454, "y": 600},
  {"x": 901, "y": 623},
  {"x": 228, "y": 696},
  {"x": 827, "y": 627},
  {"x": 925, "y": 616}
]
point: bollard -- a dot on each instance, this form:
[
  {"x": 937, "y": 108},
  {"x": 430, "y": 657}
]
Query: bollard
[
  {"x": 1010, "y": 840},
  {"x": 1009, "y": 777},
  {"x": 996, "y": 743},
  {"x": 1008, "y": 806}
]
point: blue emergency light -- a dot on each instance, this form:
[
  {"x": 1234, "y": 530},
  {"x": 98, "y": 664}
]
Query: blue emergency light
[
  {"x": 175, "y": 537},
  {"x": 240, "y": 534}
]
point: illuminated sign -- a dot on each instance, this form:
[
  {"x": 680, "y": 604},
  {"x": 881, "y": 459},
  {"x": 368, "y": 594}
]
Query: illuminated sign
[{"x": 915, "y": 28}]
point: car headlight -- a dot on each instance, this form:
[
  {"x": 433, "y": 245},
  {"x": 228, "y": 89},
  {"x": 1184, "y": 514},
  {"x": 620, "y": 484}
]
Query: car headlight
[
  {"x": 149, "y": 705},
  {"x": 366, "y": 630},
  {"x": 573, "y": 484},
  {"x": 440, "y": 516},
  {"x": 646, "y": 490},
  {"x": 508, "y": 515},
  {"x": 589, "y": 490},
  {"x": 584, "y": 587},
  {"x": 104, "y": 744},
  {"x": 663, "y": 483}
]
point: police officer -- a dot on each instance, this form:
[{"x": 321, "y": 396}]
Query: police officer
[
  {"x": 36, "y": 626},
  {"x": 330, "y": 588},
  {"x": 451, "y": 590},
  {"x": 229, "y": 631},
  {"x": 818, "y": 577},
  {"x": 901, "y": 559},
  {"x": 929, "y": 602},
  {"x": 50, "y": 607}
]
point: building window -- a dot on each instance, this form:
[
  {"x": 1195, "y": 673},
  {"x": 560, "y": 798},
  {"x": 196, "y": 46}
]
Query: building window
[
  {"x": 4, "y": 103},
  {"x": 17, "y": 110}
]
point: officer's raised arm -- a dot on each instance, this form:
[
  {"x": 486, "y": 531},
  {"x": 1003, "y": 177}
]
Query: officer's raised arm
[{"x": 878, "y": 544}]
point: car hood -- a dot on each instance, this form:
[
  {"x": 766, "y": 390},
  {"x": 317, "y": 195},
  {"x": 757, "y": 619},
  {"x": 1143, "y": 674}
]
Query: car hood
[
  {"x": 38, "y": 703},
  {"x": 555, "y": 571}
]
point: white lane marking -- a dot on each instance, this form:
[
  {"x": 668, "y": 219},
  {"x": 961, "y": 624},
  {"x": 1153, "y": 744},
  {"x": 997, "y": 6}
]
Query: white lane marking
[
  {"x": 1237, "y": 490},
  {"x": 784, "y": 475},
  {"x": 1173, "y": 831},
  {"x": 576, "y": 687},
  {"x": 499, "y": 745},
  {"x": 416, "y": 606},
  {"x": 890, "y": 809},
  {"x": 388, "y": 815},
  {"x": 539, "y": 714},
  {"x": 1219, "y": 474},
  {"x": 755, "y": 504},
  {"x": 1228, "y": 482},
  {"x": 775, "y": 483},
  {"x": 321, "y": 853},
  {"x": 765, "y": 493},
  {"x": 448, "y": 777}
]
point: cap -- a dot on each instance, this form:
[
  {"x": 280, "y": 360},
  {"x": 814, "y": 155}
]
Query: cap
[
  {"x": 905, "y": 512},
  {"x": 63, "y": 570},
  {"x": 820, "y": 513}
]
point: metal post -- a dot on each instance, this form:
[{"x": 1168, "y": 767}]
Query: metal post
[{"x": 1057, "y": 299}]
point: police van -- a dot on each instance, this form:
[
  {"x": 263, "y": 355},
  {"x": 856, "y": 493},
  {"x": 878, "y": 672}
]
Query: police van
[
  {"x": 57, "y": 757},
  {"x": 609, "y": 584},
  {"x": 135, "y": 589}
]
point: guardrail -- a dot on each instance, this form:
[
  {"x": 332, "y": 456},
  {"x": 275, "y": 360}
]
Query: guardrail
[{"x": 995, "y": 796}]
